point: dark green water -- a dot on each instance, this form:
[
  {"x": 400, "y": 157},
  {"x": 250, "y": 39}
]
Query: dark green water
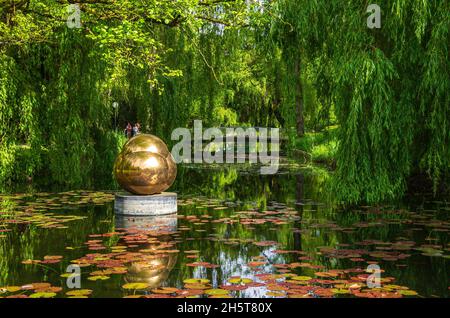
[{"x": 278, "y": 231}]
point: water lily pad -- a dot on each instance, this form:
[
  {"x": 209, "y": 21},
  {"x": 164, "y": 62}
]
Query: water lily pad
[
  {"x": 256, "y": 264},
  {"x": 65, "y": 275},
  {"x": 215, "y": 292},
  {"x": 51, "y": 257},
  {"x": 326, "y": 274},
  {"x": 239, "y": 280},
  {"x": 136, "y": 286},
  {"x": 51, "y": 289},
  {"x": 95, "y": 278},
  {"x": 340, "y": 291},
  {"x": 196, "y": 281},
  {"x": 165, "y": 290},
  {"x": 79, "y": 292},
  {"x": 301, "y": 278},
  {"x": 234, "y": 287},
  {"x": 408, "y": 292},
  {"x": 196, "y": 286},
  {"x": 190, "y": 292},
  {"x": 10, "y": 289},
  {"x": 43, "y": 295}
]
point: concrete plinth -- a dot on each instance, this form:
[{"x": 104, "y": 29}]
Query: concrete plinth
[{"x": 145, "y": 205}]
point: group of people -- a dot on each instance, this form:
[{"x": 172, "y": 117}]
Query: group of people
[{"x": 131, "y": 131}]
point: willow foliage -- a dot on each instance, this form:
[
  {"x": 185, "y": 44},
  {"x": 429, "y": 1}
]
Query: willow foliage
[
  {"x": 389, "y": 87},
  {"x": 58, "y": 84},
  {"x": 287, "y": 63}
]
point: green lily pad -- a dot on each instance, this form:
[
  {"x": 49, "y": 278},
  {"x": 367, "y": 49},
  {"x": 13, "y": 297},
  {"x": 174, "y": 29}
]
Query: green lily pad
[
  {"x": 239, "y": 280},
  {"x": 196, "y": 281},
  {"x": 42, "y": 295},
  {"x": 94, "y": 278},
  {"x": 135, "y": 286},
  {"x": 79, "y": 292},
  {"x": 215, "y": 292}
]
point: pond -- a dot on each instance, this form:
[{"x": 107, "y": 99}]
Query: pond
[{"x": 236, "y": 234}]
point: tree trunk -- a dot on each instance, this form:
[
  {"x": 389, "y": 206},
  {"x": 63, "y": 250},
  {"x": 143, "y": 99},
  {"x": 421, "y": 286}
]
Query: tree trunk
[
  {"x": 299, "y": 99},
  {"x": 277, "y": 96}
]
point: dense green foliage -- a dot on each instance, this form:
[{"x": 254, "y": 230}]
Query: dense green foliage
[{"x": 297, "y": 64}]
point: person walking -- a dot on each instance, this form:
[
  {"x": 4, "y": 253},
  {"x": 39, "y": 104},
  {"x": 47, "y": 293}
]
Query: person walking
[
  {"x": 129, "y": 130},
  {"x": 136, "y": 129}
]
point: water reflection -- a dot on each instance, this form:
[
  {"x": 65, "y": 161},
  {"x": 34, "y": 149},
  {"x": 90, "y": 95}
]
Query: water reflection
[
  {"x": 158, "y": 261},
  {"x": 164, "y": 223},
  {"x": 228, "y": 221}
]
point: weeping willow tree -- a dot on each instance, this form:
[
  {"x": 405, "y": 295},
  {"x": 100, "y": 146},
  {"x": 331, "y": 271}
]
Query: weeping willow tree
[
  {"x": 389, "y": 87},
  {"x": 58, "y": 84},
  {"x": 223, "y": 81},
  {"x": 54, "y": 109},
  {"x": 285, "y": 63}
]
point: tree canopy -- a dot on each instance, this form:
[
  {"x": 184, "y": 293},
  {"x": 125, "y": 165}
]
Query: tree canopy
[{"x": 297, "y": 64}]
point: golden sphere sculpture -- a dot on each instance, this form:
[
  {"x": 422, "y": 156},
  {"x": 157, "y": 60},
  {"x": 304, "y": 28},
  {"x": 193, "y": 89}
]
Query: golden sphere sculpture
[{"x": 145, "y": 166}]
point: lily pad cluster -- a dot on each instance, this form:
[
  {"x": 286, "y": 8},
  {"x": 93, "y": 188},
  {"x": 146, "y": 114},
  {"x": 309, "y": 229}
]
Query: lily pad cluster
[{"x": 223, "y": 249}]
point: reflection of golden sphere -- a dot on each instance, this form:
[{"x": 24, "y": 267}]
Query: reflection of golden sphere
[
  {"x": 153, "y": 271},
  {"x": 145, "y": 165}
]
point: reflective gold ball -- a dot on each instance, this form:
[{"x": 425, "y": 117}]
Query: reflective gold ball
[
  {"x": 153, "y": 269},
  {"x": 145, "y": 166}
]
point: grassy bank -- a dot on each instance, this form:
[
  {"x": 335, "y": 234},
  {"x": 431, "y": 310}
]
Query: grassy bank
[{"x": 315, "y": 147}]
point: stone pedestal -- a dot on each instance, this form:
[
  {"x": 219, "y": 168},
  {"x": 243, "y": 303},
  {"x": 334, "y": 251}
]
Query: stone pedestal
[
  {"x": 164, "y": 223},
  {"x": 145, "y": 205}
]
